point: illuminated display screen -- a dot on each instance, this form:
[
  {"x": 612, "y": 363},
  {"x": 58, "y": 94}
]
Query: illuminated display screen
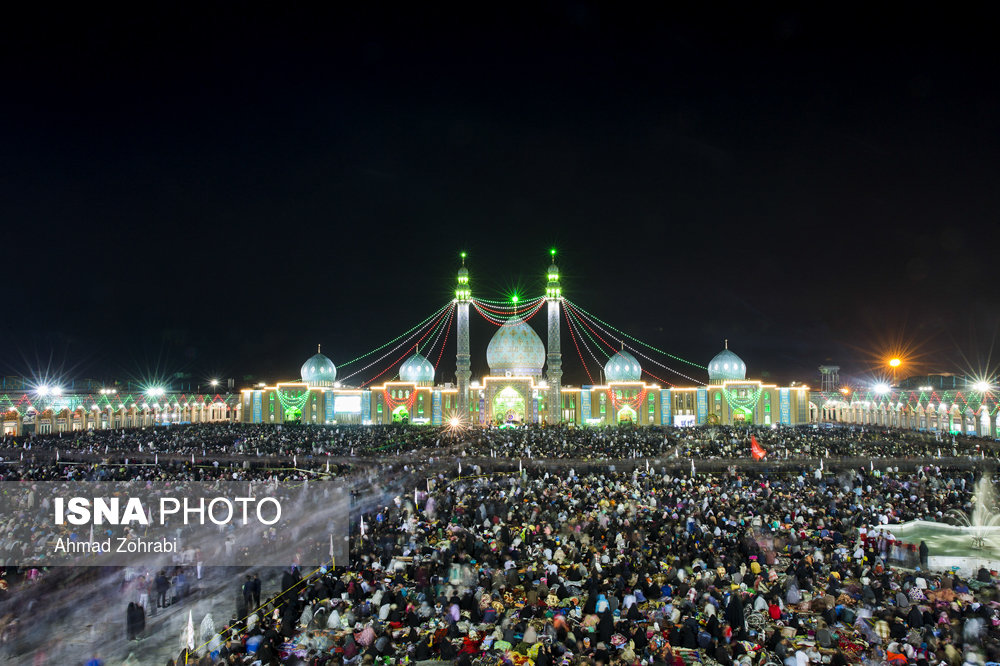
[{"x": 347, "y": 404}]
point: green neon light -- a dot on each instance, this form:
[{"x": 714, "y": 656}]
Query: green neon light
[
  {"x": 292, "y": 402},
  {"x": 506, "y": 304},
  {"x": 747, "y": 403}
]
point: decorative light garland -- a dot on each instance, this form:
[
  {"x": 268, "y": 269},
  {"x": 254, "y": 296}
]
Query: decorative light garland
[
  {"x": 393, "y": 403},
  {"x": 447, "y": 332},
  {"x": 748, "y": 403},
  {"x": 648, "y": 358},
  {"x": 394, "y": 349},
  {"x": 586, "y": 346},
  {"x": 506, "y": 304},
  {"x": 397, "y": 361},
  {"x": 585, "y": 332},
  {"x": 439, "y": 329},
  {"x": 627, "y": 402},
  {"x": 678, "y": 358},
  {"x": 578, "y": 352},
  {"x": 380, "y": 348},
  {"x": 500, "y": 322}
]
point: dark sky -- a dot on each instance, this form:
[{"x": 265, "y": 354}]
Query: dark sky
[{"x": 216, "y": 190}]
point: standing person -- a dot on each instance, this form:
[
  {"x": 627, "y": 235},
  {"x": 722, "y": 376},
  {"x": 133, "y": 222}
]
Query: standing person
[
  {"x": 162, "y": 586},
  {"x": 142, "y": 592},
  {"x": 248, "y": 593},
  {"x": 130, "y": 621},
  {"x": 923, "y": 554},
  {"x": 256, "y": 591}
]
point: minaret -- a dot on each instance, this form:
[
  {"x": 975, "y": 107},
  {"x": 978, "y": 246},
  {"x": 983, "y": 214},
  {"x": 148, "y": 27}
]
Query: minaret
[
  {"x": 553, "y": 294},
  {"x": 463, "y": 294}
]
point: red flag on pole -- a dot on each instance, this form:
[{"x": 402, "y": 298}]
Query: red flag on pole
[{"x": 756, "y": 450}]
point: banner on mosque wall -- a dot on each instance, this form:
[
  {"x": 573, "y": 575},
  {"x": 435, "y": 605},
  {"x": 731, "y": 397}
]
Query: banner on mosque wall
[
  {"x": 702, "y": 405},
  {"x": 666, "y": 407},
  {"x": 585, "y": 412},
  {"x": 328, "y": 406},
  {"x": 785, "y": 406},
  {"x": 534, "y": 409},
  {"x": 258, "y": 407},
  {"x": 366, "y": 406},
  {"x": 482, "y": 410},
  {"x": 436, "y": 408}
]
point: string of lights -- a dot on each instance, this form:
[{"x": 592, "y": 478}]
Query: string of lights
[
  {"x": 447, "y": 332},
  {"x": 397, "y": 348},
  {"x": 648, "y": 358},
  {"x": 634, "y": 403},
  {"x": 508, "y": 310},
  {"x": 438, "y": 330},
  {"x": 292, "y": 402},
  {"x": 575, "y": 344},
  {"x": 589, "y": 351},
  {"x": 587, "y": 330},
  {"x": 506, "y": 304},
  {"x": 399, "y": 360},
  {"x": 500, "y": 322},
  {"x": 592, "y": 317},
  {"x": 380, "y": 348}
]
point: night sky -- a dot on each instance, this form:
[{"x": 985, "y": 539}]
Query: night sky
[{"x": 214, "y": 191}]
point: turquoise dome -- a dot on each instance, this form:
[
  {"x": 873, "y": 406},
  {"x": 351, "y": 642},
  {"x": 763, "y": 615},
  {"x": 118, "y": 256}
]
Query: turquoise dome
[
  {"x": 319, "y": 371},
  {"x": 622, "y": 367},
  {"x": 726, "y": 366},
  {"x": 417, "y": 369},
  {"x": 516, "y": 349}
]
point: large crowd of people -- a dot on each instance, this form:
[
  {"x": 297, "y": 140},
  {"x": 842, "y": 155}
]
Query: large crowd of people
[
  {"x": 574, "y": 562},
  {"x": 319, "y": 441}
]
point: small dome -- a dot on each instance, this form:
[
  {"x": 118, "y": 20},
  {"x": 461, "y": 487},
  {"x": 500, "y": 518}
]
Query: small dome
[
  {"x": 463, "y": 272},
  {"x": 726, "y": 366},
  {"x": 417, "y": 369},
  {"x": 622, "y": 367},
  {"x": 319, "y": 371},
  {"x": 516, "y": 349}
]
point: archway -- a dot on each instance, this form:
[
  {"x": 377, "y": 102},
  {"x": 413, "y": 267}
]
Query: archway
[
  {"x": 627, "y": 415},
  {"x": 401, "y": 415},
  {"x": 508, "y": 406}
]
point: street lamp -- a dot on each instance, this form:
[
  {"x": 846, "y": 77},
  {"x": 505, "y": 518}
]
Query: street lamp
[
  {"x": 982, "y": 387},
  {"x": 894, "y": 363},
  {"x": 881, "y": 389}
]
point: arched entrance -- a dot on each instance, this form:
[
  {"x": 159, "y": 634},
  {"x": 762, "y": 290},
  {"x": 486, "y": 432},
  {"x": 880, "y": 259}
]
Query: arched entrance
[
  {"x": 627, "y": 415},
  {"x": 401, "y": 415},
  {"x": 508, "y": 406}
]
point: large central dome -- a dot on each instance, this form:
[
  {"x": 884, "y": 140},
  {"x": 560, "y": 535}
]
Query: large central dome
[{"x": 516, "y": 349}]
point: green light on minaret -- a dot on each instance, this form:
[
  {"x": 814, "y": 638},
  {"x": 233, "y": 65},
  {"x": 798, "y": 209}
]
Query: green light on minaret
[
  {"x": 514, "y": 299},
  {"x": 552, "y": 252}
]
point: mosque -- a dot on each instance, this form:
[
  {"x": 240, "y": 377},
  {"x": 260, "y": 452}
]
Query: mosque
[{"x": 524, "y": 385}]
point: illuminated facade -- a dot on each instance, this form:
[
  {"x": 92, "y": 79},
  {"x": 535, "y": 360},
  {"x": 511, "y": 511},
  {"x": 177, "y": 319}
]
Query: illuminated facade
[
  {"x": 524, "y": 384},
  {"x": 25, "y": 412},
  {"x": 972, "y": 410}
]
